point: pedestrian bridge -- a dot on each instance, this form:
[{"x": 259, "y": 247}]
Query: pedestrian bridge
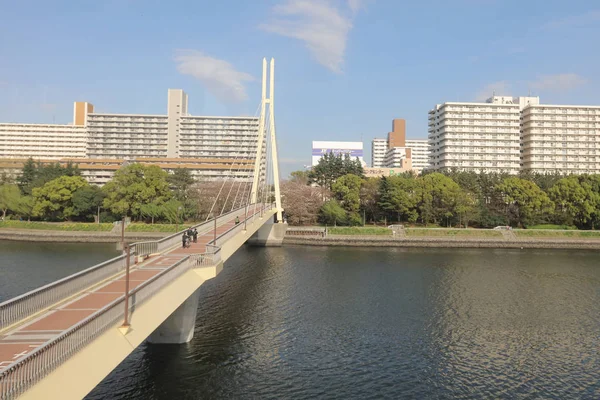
[{"x": 61, "y": 340}]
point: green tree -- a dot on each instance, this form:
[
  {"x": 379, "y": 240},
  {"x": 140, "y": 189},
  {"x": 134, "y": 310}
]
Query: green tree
[
  {"x": 525, "y": 202},
  {"x": 28, "y": 175},
  {"x": 9, "y": 198},
  {"x": 436, "y": 197},
  {"x": 369, "y": 197},
  {"x": 331, "y": 167},
  {"x": 86, "y": 201},
  {"x": 5, "y": 178},
  {"x": 25, "y": 207},
  {"x": 152, "y": 210},
  {"x": 575, "y": 201},
  {"x": 299, "y": 177},
  {"x": 332, "y": 213},
  {"x": 398, "y": 197},
  {"x": 180, "y": 181},
  {"x": 54, "y": 200},
  {"x": 136, "y": 185},
  {"x": 172, "y": 211}
]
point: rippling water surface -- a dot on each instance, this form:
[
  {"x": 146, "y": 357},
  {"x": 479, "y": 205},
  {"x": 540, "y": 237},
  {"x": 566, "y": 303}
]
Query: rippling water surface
[
  {"x": 25, "y": 266},
  {"x": 304, "y": 323}
]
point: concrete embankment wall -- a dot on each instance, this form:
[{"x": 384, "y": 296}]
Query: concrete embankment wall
[
  {"x": 32, "y": 235},
  {"x": 373, "y": 241}
]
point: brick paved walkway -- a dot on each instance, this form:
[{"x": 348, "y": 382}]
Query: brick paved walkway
[{"x": 25, "y": 338}]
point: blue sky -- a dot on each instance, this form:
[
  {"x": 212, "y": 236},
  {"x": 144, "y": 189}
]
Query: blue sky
[{"x": 344, "y": 68}]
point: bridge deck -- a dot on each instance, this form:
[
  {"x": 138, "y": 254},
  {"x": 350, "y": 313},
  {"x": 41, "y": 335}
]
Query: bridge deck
[{"x": 25, "y": 338}]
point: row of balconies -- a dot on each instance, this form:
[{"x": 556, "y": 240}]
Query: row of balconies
[{"x": 562, "y": 111}]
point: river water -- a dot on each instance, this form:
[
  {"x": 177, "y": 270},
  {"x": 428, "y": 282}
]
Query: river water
[{"x": 304, "y": 323}]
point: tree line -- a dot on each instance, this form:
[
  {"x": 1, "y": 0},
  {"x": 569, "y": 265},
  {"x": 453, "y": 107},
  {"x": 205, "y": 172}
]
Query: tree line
[
  {"x": 331, "y": 195},
  {"x": 53, "y": 192}
]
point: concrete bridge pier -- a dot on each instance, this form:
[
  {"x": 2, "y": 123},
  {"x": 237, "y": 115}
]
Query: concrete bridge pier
[
  {"x": 270, "y": 234},
  {"x": 178, "y": 327}
]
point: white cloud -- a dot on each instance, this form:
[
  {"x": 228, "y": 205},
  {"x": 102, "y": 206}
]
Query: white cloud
[
  {"x": 589, "y": 17},
  {"x": 320, "y": 24},
  {"x": 218, "y": 76},
  {"x": 557, "y": 83},
  {"x": 500, "y": 88}
]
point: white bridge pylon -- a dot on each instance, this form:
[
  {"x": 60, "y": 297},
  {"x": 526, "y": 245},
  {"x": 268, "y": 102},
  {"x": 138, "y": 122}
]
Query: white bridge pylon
[{"x": 271, "y": 139}]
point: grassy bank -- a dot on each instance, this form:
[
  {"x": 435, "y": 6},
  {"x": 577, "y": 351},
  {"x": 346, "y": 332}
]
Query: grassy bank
[
  {"x": 359, "y": 231},
  {"x": 425, "y": 232},
  {"x": 57, "y": 226},
  {"x": 166, "y": 228},
  {"x": 533, "y": 233}
]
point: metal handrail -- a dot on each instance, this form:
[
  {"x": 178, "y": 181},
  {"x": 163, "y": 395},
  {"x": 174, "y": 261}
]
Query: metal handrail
[
  {"x": 24, "y": 373},
  {"x": 27, "y": 304}
]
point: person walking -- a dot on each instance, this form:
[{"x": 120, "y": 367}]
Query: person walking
[
  {"x": 195, "y": 234},
  {"x": 184, "y": 239},
  {"x": 237, "y": 220}
]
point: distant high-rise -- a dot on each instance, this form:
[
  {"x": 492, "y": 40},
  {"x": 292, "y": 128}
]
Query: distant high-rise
[
  {"x": 397, "y": 150},
  {"x": 510, "y": 134},
  {"x": 378, "y": 150}
]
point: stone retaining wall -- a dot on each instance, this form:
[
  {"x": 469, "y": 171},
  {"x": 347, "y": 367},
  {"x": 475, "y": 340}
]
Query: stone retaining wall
[
  {"x": 372, "y": 241},
  {"x": 33, "y": 235}
]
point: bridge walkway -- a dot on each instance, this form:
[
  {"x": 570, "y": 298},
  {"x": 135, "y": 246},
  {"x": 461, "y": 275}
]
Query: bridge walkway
[{"x": 25, "y": 338}]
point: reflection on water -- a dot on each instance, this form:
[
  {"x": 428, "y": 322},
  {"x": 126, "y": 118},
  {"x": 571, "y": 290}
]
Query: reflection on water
[{"x": 299, "y": 322}]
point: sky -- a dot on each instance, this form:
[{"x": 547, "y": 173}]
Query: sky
[{"x": 343, "y": 68}]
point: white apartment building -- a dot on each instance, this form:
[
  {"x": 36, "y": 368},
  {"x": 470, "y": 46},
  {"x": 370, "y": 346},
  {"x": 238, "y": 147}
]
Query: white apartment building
[
  {"x": 419, "y": 153},
  {"x": 559, "y": 138},
  {"x": 395, "y": 157},
  {"x": 481, "y": 137},
  {"x": 42, "y": 141},
  {"x": 126, "y": 136},
  {"x": 378, "y": 150}
]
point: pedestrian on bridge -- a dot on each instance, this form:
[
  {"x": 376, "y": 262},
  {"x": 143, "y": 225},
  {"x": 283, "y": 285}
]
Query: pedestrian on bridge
[
  {"x": 184, "y": 240},
  {"x": 195, "y": 234},
  {"x": 237, "y": 220}
]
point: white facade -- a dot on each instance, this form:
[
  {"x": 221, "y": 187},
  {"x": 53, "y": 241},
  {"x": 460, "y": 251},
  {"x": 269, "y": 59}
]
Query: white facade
[
  {"x": 126, "y": 136},
  {"x": 395, "y": 157},
  {"x": 563, "y": 139},
  {"x": 177, "y": 107},
  {"x": 419, "y": 149},
  {"x": 353, "y": 149},
  {"x": 42, "y": 141},
  {"x": 378, "y": 150},
  {"x": 481, "y": 137}
]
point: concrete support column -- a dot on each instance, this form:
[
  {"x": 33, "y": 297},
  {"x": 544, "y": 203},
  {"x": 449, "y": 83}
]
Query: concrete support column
[
  {"x": 179, "y": 326},
  {"x": 270, "y": 234}
]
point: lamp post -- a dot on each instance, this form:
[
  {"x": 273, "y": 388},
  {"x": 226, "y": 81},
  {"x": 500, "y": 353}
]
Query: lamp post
[
  {"x": 215, "y": 233},
  {"x": 123, "y": 234},
  {"x": 128, "y": 256}
]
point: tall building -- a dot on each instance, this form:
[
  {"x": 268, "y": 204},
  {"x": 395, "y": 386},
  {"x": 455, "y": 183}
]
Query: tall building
[
  {"x": 352, "y": 149},
  {"x": 482, "y": 137},
  {"x": 211, "y": 147},
  {"x": 378, "y": 150},
  {"x": 399, "y": 152},
  {"x": 515, "y": 133},
  {"x": 419, "y": 153},
  {"x": 42, "y": 141},
  {"x": 564, "y": 139}
]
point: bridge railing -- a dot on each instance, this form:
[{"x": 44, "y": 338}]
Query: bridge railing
[
  {"x": 24, "y": 373},
  {"x": 145, "y": 248},
  {"x": 204, "y": 227},
  {"x": 211, "y": 256},
  {"x": 28, "y": 304}
]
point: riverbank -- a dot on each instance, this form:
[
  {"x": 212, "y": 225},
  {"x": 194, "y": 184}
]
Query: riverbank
[
  {"x": 34, "y": 235},
  {"x": 440, "y": 242}
]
